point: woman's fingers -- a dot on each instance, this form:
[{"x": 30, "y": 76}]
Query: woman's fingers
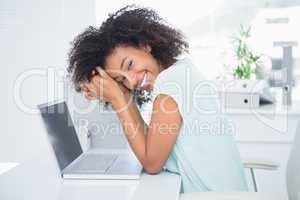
[
  {"x": 83, "y": 88},
  {"x": 102, "y": 72},
  {"x": 101, "y": 86},
  {"x": 91, "y": 88},
  {"x": 96, "y": 80},
  {"x": 89, "y": 96}
]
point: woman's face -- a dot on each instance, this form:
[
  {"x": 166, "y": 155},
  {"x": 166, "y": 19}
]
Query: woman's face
[{"x": 135, "y": 68}]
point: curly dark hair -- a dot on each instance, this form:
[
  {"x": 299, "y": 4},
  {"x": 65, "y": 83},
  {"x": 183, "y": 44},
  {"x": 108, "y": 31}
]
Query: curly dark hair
[{"x": 130, "y": 26}]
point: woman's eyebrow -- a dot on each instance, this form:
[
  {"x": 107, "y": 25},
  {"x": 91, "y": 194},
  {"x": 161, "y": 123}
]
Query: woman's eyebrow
[{"x": 122, "y": 63}]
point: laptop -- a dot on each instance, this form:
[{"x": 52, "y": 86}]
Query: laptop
[{"x": 72, "y": 161}]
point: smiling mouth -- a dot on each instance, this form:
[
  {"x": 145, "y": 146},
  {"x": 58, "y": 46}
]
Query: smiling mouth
[{"x": 144, "y": 81}]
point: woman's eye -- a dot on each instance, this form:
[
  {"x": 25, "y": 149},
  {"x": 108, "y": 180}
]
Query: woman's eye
[{"x": 130, "y": 64}]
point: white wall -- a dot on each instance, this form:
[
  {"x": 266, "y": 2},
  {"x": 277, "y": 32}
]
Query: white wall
[
  {"x": 34, "y": 35},
  {"x": 208, "y": 25}
]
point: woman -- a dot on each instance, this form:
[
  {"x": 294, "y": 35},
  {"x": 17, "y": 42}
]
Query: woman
[{"x": 134, "y": 56}]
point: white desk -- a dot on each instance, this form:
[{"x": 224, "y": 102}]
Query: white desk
[
  {"x": 36, "y": 181},
  {"x": 37, "y": 177}
]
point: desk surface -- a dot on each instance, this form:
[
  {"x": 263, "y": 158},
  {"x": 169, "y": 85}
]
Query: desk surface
[
  {"x": 271, "y": 109},
  {"x": 40, "y": 180}
]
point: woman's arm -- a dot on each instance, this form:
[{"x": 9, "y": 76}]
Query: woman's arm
[{"x": 151, "y": 144}]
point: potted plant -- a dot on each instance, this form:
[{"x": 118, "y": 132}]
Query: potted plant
[
  {"x": 247, "y": 63},
  {"x": 247, "y": 70}
]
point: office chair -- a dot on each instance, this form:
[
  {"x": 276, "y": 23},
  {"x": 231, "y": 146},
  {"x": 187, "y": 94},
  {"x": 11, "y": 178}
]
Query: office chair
[{"x": 292, "y": 177}]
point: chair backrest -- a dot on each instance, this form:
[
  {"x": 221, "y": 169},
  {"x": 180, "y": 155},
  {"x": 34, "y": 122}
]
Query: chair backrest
[{"x": 293, "y": 168}]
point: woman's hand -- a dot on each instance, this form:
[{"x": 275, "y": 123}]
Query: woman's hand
[{"x": 104, "y": 88}]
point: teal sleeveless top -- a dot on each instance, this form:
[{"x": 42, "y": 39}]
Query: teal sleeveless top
[{"x": 205, "y": 154}]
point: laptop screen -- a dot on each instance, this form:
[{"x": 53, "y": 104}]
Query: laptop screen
[{"x": 61, "y": 133}]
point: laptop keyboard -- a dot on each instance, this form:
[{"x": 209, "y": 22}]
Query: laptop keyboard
[{"x": 95, "y": 162}]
